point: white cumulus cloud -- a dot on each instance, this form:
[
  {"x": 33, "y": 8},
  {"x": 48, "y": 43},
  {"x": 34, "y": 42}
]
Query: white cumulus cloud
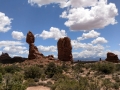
[
  {"x": 87, "y": 50},
  {"x": 90, "y": 34},
  {"x": 99, "y": 40},
  {"x": 62, "y": 3},
  {"x": 83, "y": 14},
  {"x": 19, "y": 50},
  {"x": 17, "y": 35},
  {"x": 42, "y": 48},
  {"x": 98, "y": 16},
  {"x": 90, "y": 51},
  {"x": 10, "y": 43},
  {"x": 81, "y": 3},
  {"x": 55, "y": 33},
  {"x": 5, "y": 22}
]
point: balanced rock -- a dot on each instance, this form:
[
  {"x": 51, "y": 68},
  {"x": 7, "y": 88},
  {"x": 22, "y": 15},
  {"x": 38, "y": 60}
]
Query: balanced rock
[
  {"x": 30, "y": 38},
  {"x": 64, "y": 49},
  {"x": 33, "y": 50},
  {"x": 111, "y": 57}
]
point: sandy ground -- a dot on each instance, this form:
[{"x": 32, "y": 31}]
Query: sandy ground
[{"x": 38, "y": 88}]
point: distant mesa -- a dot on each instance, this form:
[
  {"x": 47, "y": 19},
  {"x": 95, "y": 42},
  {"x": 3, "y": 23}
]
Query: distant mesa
[
  {"x": 64, "y": 49},
  {"x": 5, "y": 59},
  {"x": 111, "y": 57},
  {"x": 33, "y": 50},
  {"x": 4, "y": 56}
]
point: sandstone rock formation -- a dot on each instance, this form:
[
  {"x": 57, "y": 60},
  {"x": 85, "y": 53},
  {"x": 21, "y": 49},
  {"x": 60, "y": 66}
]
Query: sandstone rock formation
[
  {"x": 4, "y": 56},
  {"x": 111, "y": 57},
  {"x": 64, "y": 49},
  {"x": 50, "y": 57},
  {"x": 33, "y": 50},
  {"x": 30, "y": 38}
]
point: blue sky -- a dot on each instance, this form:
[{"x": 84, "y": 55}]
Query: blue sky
[{"x": 93, "y": 26}]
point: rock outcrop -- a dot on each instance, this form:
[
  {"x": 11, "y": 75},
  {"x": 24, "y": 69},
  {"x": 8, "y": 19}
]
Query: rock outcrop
[
  {"x": 64, "y": 49},
  {"x": 111, "y": 57},
  {"x": 30, "y": 38},
  {"x": 4, "y": 56},
  {"x": 5, "y": 59},
  {"x": 33, "y": 50},
  {"x": 50, "y": 57}
]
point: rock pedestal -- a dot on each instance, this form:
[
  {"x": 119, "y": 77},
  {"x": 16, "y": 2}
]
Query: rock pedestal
[
  {"x": 111, "y": 57},
  {"x": 33, "y": 50},
  {"x": 64, "y": 49}
]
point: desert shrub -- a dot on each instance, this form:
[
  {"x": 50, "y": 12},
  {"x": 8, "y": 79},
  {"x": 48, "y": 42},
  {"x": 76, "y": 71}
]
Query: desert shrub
[
  {"x": 12, "y": 69},
  {"x": 117, "y": 67},
  {"x": 2, "y": 70},
  {"x": 65, "y": 85},
  {"x": 36, "y": 79},
  {"x": 41, "y": 66},
  {"x": 87, "y": 66},
  {"x": 14, "y": 82},
  {"x": 102, "y": 76},
  {"x": 49, "y": 83},
  {"x": 116, "y": 86},
  {"x": 43, "y": 84},
  {"x": 107, "y": 84},
  {"x": 88, "y": 73},
  {"x": 70, "y": 84},
  {"x": 106, "y": 67},
  {"x": 83, "y": 82},
  {"x": 78, "y": 67},
  {"x": 1, "y": 77},
  {"x": 116, "y": 78},
  {"x": 52, "y": 69},
  {"x": 94, "y": 85},
  {"x": 30, "y": 82},
  {"x": 17, "y": 86},
  {"x": 64, "y": 67},
  {"x": 43, "y": 77},
  {"x": 32, "y": 72},
  {"x": 59, "y": 76}
]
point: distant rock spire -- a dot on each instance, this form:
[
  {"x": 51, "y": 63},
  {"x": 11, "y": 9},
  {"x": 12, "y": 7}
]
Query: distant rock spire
[{"x": 64, "y": 49}]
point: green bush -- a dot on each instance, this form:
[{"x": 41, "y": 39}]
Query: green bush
[
  {"x": 32, "y": 72},
  {"x": 64, "y": 66},
  {"x": 117, "y": 67},
  {"x": 1, "y": 77},
  {"x": 2, "y": 70},
  {"x": 70, "y": 84},
  {"x": 30, "y": 82},
  {"x": 52, "y": 69},
  {"x": 36, "y": 79},
  {"x": 116, "y": 85},
  {"x": 105, "y": 67},
  {"x": 107, "y": 84},
  {"x": 14, "y": 82},
  {"x": 11, "y": 69},
  {"x": 78, "y": 67},
  {"x": 59, "y": 76}
]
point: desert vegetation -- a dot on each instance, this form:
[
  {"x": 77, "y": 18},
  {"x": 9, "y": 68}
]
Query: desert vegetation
[{"x": 100, "y": 75}]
